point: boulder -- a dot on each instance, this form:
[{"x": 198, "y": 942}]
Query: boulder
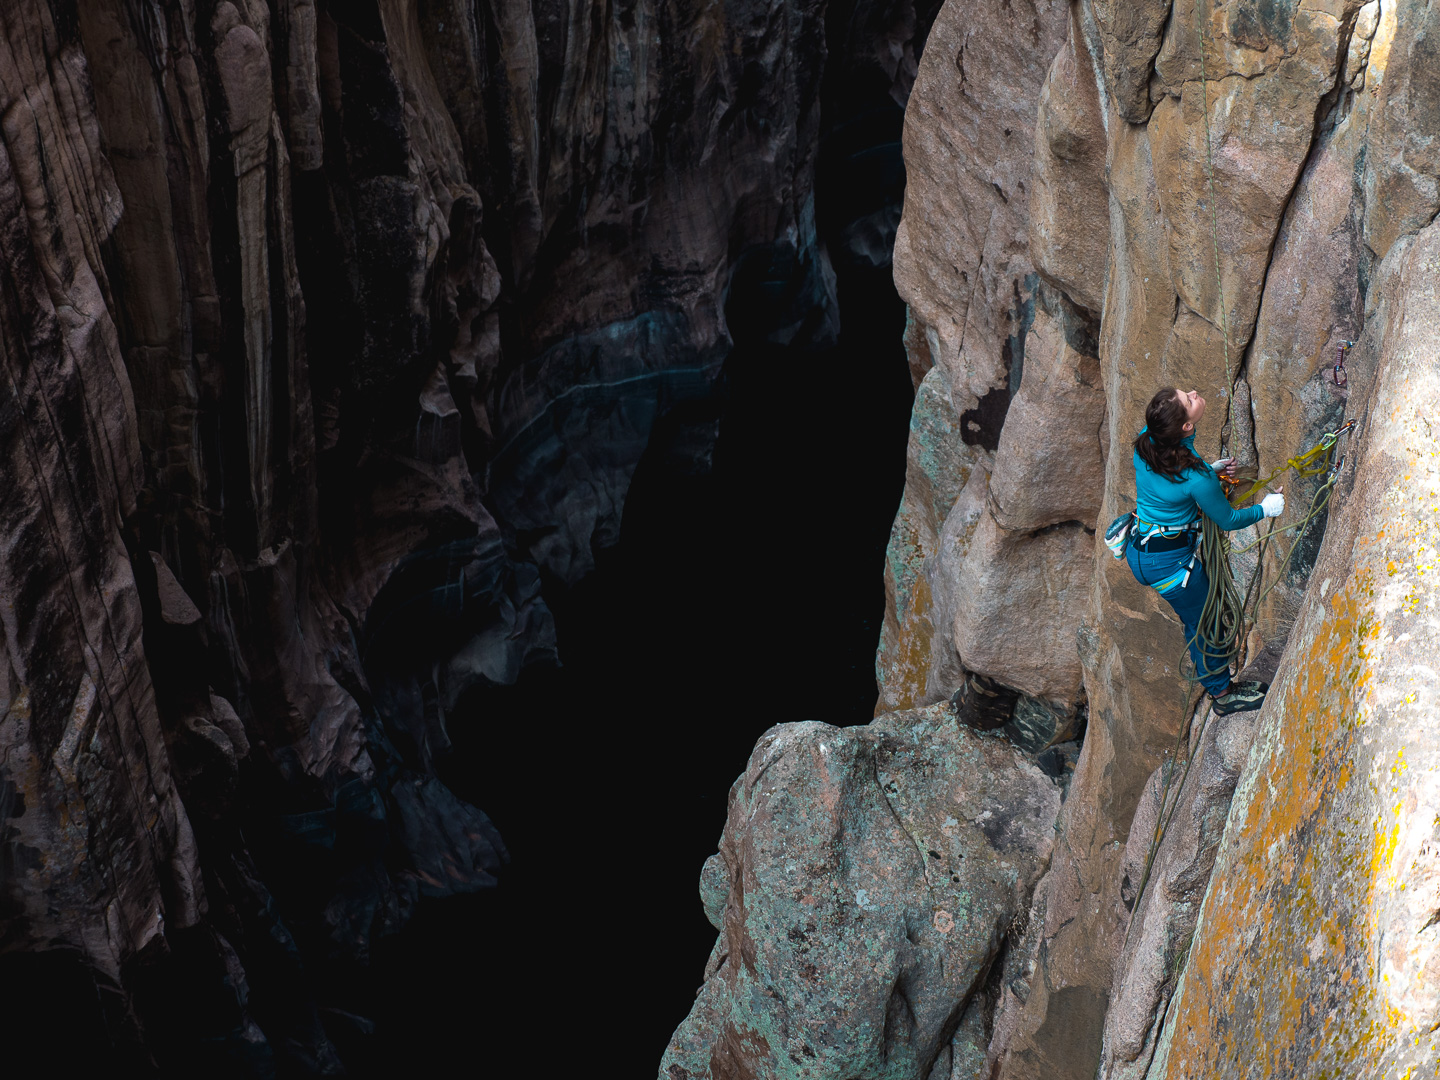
[{"x": 865, "y": 883}]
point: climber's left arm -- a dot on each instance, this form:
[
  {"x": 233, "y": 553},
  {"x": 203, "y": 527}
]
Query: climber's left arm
[{"x": 1210, "y": 497}]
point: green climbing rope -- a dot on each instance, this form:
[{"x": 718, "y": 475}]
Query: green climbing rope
[{"x": 1227, "y": 427}]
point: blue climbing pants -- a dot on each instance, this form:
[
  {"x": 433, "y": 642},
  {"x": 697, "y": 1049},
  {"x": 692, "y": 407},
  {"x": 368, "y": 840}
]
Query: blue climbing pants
[{"x": 1165, "y": 569}]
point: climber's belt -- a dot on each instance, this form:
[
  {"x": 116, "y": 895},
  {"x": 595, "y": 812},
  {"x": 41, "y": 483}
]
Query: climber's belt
[{"x": 1157, "y": 544}]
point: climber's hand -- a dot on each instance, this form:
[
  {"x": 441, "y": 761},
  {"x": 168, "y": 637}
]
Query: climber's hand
[
  {"x": 1225, "y": 467},
  {"x": 1273, "y": 504}
]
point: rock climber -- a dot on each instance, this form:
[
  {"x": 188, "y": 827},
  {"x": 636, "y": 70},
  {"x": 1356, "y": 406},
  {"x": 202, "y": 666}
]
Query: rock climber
[{"x": 1172, "y": 488}]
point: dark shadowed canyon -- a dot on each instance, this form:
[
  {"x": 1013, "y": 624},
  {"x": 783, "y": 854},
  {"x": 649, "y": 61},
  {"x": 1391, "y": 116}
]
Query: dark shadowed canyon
[
  {"x": 469, "y": 451},
  {"x": 558, "y": 536}
]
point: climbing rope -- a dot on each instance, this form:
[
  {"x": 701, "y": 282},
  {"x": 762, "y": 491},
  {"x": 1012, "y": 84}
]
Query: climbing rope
[
  {"x": 1319, "y": 503},
  {"x": 1223, "y": 619},
  {"x": 1227, "y": 427},
  {"x": 1318, "y": 459}
]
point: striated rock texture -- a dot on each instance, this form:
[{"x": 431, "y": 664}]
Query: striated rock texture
[
  {"x": 325, "y": 329},
  {"x": 863, "y": 890},
  {"x": 1127, "y": 271}
]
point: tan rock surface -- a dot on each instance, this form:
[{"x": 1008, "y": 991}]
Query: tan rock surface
[
  {"x": 969, "y": 143},
  {"x": 1050, "y": 464},
  {"x": 1069, "y": 210},
  {"x": 1326, "y": 883},
  {"x": 1302, "y": 200},
  {"x": 1401, "y": 159},
  {"x": 1262, "y": 121},
  {"x": 1035, "y": 585},
  {"x": 1130, "y": 33},
  {"x": 1163, "y": 883},
  {"x": 939, "y": 465}
]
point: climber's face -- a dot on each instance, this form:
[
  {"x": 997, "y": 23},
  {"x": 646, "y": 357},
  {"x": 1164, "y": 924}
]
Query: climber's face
[{"x": 1194, "y": 406}]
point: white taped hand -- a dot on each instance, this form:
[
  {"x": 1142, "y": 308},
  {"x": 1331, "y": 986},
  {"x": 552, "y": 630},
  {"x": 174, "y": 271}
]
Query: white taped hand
[{"x": 1273, "y": 504}]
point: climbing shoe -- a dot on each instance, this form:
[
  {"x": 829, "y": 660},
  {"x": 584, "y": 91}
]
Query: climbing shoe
[
  {"x": 1242, "y": 697},
  {"x": 1249, "y": 684}
]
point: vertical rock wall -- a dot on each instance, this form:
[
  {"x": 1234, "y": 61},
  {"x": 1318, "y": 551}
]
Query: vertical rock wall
[
  {"x": 1319, "y": 924},
  {"x": 1316, "y": 119}
]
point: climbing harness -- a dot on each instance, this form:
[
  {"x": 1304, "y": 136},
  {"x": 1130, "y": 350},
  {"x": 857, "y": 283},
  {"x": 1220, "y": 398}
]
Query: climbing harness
[{"x": 1130, "y": 528}]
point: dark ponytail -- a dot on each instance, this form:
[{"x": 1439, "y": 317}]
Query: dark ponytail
[{"x": 1161, "y": 444}]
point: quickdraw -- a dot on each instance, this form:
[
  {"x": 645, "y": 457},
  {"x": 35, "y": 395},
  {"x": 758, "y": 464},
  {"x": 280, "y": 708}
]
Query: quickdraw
[
  {"x": 1339, "y": 374},
  {"x": 1305, "y": 465}
]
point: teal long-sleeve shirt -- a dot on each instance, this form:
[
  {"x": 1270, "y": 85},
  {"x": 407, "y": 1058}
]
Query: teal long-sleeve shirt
[{"x": 1171, "y": 504}]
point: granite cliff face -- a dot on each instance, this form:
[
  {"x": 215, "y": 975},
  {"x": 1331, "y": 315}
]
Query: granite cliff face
[
  {"x": 1105, "y": 199},
  {"x": 327, "y": 328}
]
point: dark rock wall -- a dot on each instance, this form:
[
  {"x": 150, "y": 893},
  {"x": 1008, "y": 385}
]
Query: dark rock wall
[{"x": 326, "y": 329}]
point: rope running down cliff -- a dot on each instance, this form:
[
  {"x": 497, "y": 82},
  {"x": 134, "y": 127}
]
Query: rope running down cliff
[
  {"x": 1227, "y": 615},
  {"x": 1215, "y": 225}
]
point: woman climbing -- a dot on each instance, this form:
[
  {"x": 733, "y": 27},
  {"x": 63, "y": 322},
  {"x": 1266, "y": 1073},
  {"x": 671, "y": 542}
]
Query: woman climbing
[{"x": 1172, "y": 488}]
